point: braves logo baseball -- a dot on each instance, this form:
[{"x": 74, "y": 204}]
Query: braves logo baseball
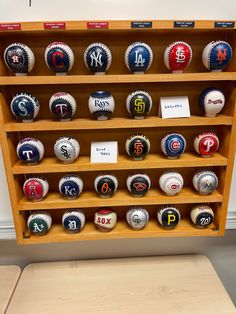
[
  {"x": 211, "y": 101},
  {"x": 178, "y": 56}
]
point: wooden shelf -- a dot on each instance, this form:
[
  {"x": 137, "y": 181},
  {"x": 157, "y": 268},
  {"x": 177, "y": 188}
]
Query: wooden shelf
[
  {"x": 115, "y": 123},
  {"x": 152, "y": 161},
  {"x": 89, "y": 199},
  {"x": 117, "y": 78},
  {"x": 121, "y": 231}
]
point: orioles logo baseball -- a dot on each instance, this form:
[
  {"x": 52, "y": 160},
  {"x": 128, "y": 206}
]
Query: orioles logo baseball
[
  {"x": 221, "y": 55},
  {"x": 138, "y": 148},
  {"x": 105, "y": 188}
]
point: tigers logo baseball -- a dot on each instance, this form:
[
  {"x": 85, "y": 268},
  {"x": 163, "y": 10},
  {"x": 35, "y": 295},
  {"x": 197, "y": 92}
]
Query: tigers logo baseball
[{"x": 97, "y": 58}]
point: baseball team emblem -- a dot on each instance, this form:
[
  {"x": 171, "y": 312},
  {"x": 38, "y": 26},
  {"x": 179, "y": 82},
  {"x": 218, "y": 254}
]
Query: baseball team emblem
[
  {"x": 67, "y": 149},
  {"x": 202, "y": 216},
  {"x": 101, "y": 105},
  {"x": 206, "y": 144},
  {"x": 105, "y": 185},
  {"x": 211, "y": 101},
  {"x": 35, "y": 188},
  {"x": 30, "y": 150},
  {"x": 205, "y": 181},
  {"x": 138, "y": 184},
  {"x": 63, "y": 106},
  {"x": 137, "y": 146},
  {"x": 70, "y": 186},
  {"x": 139, "y": 104},
  {"x": 171, "y": 182},
  {"x": 97, "y": 58},
  {"x": 178, "y": 56},
  {"x": 73, "y": 220},
  {"x": 137, "y": 218},
  {"x": 138, "y": 57},
  {"x": 25, "y": 107},
  {"x": 39, "y": 223},
  {"x": 173, "y": 145},
  {"x": 169, "y": 217},
  {"x": 105, "y": 219}
]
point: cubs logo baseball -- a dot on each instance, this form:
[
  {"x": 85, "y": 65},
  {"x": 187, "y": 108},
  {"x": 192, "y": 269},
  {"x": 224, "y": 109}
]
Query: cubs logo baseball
[
  {"x": 217, "y": 55},
  {"x": 171, "y": 183},
  {"x": 101, "y": 105},
  {"x": 97, "y": 58},
  {"x": 25, "y": 107},
  {"x": 137, "y": 218},
  {"x": 211, "y": 101},
  {"x": 19, "y": 58},
  {"x": 70, "y": 186},
  {"x": 105, "y": 219},
  {"x": 206, "y": 144},
  {"x": 138, "y": 57},
  {"x": 202, "y": 216},
  {"x": 137, "y": 146},
  {"x": 59, "y": 57},
  {"x": 178, "y": 56},
  {"x": 138, "y": 184},
  {"x": 67, "y": 149},
  {"x": 139, "y": 104},
  {"x": 173, "y": 145},
  {"x": 73, "y": 220},
  {"x": 35, "y": 188},
  {"x": 105, "y": 185},
  {"x": 63, "y": 106},
  {"x": 169, "y": 217},
  {"x": 205, "y": 181},
  {"x": 30, "y": 150},
  {"x": 39, "y": 223}
]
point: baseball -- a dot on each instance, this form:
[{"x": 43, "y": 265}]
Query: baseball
[
  {"x": 138, "y": 184},
  {"x": 178, "y": 56},
  {"x": 138, "y": 57},
  {"x": 97, "y": 58},
  {"x": 137, "y": 218},
  {"x": 206, "y": 144},
  {"x": 39, "y": 223},
  {"x": 63, "y": 106},
  {"x": 139, "y": 104},
  {"x": 67, "y": 149},
  {"x": 105, "y": 185},
  {"x": 211, "y": 101},
  {"x": 202, "y": 216},
  {"x": 35, "y": 188},
  {"x": 59, "y": 57},
  {"x": 173, "y": 145},
  {"x": 169, "y": 217},
  {"x": 70, "y": 186},
  {"x": 205, "y": 181},
  {"x": 105, "y": 219},
  {"x": 30, "y": 150},
  {"x": 25, "y": 107},
  {"x": 101, "y": 105},
  {"x": 217, "y": 55},
  {"x": 171, "y": 182},
  {"x": 19, "y": 58},
  {"x": 73, "y": 220},
  {"x": 137, "y": 146}
]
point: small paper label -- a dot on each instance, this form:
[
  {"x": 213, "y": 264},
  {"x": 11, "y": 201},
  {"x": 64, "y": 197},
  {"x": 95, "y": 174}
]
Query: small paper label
[
  {"x": 184, "y": 24},
  {"x": 104, "y": 152},
  {"x": 174, "y": 107},
  {"x": 10, "y": 26},
  {"x": 224, "y": 24},
  {"x": 97, "y": 25},
  {"x": 55, "y": 25},
  {"x": 141, "y": 24}
]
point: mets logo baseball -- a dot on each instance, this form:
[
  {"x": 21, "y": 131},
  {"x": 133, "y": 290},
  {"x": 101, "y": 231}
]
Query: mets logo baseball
[{"x": 220, "y": 55}]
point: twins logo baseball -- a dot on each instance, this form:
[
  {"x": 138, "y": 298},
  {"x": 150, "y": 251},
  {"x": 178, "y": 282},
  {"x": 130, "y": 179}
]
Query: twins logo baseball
[
  {"x": 64, "y": 152},
  {"x": 221, "y": 55},
  {"x": 139, "y": 105},
  {"x": 139, "y": 60},
  {"x": 138, "y": 148},
  {"x": 61, "y": 109}
]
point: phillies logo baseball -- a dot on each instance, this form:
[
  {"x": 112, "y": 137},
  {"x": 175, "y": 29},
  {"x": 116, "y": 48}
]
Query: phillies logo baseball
[{"x": 208, "y": 145}]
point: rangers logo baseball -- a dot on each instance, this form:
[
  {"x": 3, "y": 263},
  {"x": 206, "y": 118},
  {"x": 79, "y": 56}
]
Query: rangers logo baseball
[
  {"x": 35, "y": 188},
  {"x": 101, "y": 105},
  {"x": 138, "y": 57},
  {"x": 217, "y": 55},
  {"x": 25, "y": 107},
  {"x": 66, "y": 149},
  {"x": 59, "y": 57},
  {"x": 70, "y": 186},
  {"x": 137, "y": 146},
  {"x": 19, "y": 58},
  {"x": 173, "y": 145},
  {"x": 178, "y": 56},
  {"x": 97, "y": 58},
  {"x": 30, "y": 150},
  {"x": 139, "y": 104},
  {"x": 138, "y": 184},
  {"x": 211, "y": 101},
  {"x": 206, "y": 144},
  {"x": 63, "y": 106}
]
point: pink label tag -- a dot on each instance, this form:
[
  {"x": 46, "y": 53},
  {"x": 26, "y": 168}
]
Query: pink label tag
[
  {"x": 97, "y": 25},
  {"x": 10, "y": 26},
  {"x": 55, "y": 25}
]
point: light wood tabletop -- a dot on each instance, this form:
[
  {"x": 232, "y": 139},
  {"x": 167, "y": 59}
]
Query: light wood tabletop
[
  {"x": 173, "y": 284},
  {"x": 9, "y": 276}
]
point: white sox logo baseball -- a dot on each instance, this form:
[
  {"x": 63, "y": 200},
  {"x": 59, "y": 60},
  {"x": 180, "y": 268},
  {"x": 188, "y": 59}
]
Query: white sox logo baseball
[{"x": 64, "y": 152}]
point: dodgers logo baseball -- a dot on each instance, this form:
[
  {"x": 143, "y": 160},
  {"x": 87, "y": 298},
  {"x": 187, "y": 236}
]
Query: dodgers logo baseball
[{"x": 138, "y": 57}]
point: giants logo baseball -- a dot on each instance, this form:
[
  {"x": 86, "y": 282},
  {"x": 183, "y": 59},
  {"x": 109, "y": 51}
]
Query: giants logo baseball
[{"x": 138, "y": 147}]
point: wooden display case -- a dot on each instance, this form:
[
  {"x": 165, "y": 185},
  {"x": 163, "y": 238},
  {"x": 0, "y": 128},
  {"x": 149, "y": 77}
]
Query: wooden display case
[{"x": 80, "y": 83}]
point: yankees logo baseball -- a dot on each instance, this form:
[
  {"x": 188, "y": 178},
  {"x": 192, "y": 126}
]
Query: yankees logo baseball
[
  {"x": 139, "y": 104},
  {"x": 63, "y": 106},
  {"x": 137, "y": 218},
  {"x": 25, "y": 107},
  {"x": 101, "y": 105},
  {"x": 97, "y": 58},
  {"x": 70, "y": 186},
  {"x": 178, "y": 56},
  {"x": 138, "y": 57},
  {"x": 211, "y": 101},
  {"x": 105, "y": 185},
  {"x": 206, "y": 144},
  {"x": 66, "y": 149},
  {"x": 35, "y": 188},
  {"x": 173, "y": 145},
  {"x": 30, "y": 150},
  {"x": 137, "y": 146},
  {"x": 73, "y": 220},
  {"x": 138, "y": 184},
  {"x": 202, "y": 216}
]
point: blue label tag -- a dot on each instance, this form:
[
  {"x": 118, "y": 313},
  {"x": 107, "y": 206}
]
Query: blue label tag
[
  {"x": 184, "y": 24},
  {"x": 224, "y": 24},
  {"x": 141, "y": 24}
]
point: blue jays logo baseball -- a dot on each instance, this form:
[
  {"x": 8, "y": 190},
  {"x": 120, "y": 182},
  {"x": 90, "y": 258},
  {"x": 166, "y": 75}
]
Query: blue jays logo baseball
[
  {"x": 220, "y": 55},
  {"x": 58, "y": 58},
  {"x": 138, "y": 57},
  {"x": 29, "y": 153},
  {"x": 16, "y": 58},
  {"x": 70, "y": 189},
  {"x": 174, "y": 145},
  {"x": 25, "y": 106},
  {"x": 97, "y": 57}
]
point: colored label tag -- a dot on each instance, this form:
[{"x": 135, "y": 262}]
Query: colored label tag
[
  {"x": 97, "y": 25},
  {"x": 224, "y": 24},
  {"x": 54, "y": 25},
  {"x": 141, "y": 24},
  {"x": 10, "y": 26},
  {"x": 184, "y": 24}
]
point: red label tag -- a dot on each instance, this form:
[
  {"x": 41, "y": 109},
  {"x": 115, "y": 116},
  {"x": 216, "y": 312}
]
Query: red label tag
[
  {"x": 55, "y": 25},
  {"x": 10, "y": 26},
  {"x": 97, "y": 25}
]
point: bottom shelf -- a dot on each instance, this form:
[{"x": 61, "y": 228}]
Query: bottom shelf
[{"x": 121, "y": 231}]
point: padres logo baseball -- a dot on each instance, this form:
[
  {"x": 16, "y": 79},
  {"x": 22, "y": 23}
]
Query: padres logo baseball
[
  {"x": 63, "y": 106},
  {"x": 178, "y": 56},
  {"x": 70, "y": 186},
  {"x": 66, "y": 149},
  {"x": 138, "y": 57},
  {"x": 73, "y": 220},
  {"x": 35, "y": 188},
  {"x": 206, "y": 144},
  {"x": 59, "y": 57},
  {"x": 211, "y": 101},
  {"x": 25, "y": 107},
  {"x": 139, "y": 104},
  {"x": 30, "y": 150},
  {"x": 101, "y": 105},
  {"x": 97, "y": 58}
]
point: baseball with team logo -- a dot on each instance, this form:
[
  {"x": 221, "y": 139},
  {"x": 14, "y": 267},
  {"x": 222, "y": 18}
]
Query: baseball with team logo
[
  {"x": 139, "y": 104},
  {"x": 206, "y": 144},
  {"x": 138, "y": 57},
  {"x": 205, "y": 181},
  {"x": 173, "y": 145},
  {"x": 36, "y": 188},
  {"x": 105, "y": 185},
  {"x": 59, "y": 57},
  {"x": 73, "y": 220},
  {"x": 67, "y": 149},
  {"x": 105, "y": 219},
  {"x": 137, "y": 218},
  {"x": 138, "y": 184},
  {"x": 178, "y": 56},
  {"x": 137, "y": 146},
  {"x": 211, "y": 101},
  {"x": 19, "y": 58},
  {"x": 39, "y": 223},
  {"x": 97, "y": 58},
  {"x": 30, "y": 150},
  {"x": 171, "y": 182},
  {"x": 25, "y": 107},
  {"x": 202, "y": 215},
  {"x": 168, "y": 217},
  {"x": 217, "y": 55},
  {"x": 63, "y": 106},
  {"x": 101, "y": 105},
  {"x": 70, "y": 186}
]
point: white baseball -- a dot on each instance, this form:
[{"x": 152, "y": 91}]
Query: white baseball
[
  {"x": 66, "y": 149},
  {"x": 214, "y": 101},
  {"x": 102, "y": 106},
  {"x": 171, "y": 183}
]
